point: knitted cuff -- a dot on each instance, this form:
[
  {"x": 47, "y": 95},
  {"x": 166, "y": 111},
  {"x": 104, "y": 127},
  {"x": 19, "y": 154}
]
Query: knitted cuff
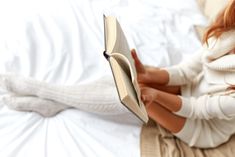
[{"x": 174, "y": 75}]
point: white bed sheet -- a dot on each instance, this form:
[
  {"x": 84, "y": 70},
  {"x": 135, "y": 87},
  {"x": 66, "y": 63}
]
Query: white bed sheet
[
  {"x": 71, "y": 133},
  {"x": 61, "y": 41}
]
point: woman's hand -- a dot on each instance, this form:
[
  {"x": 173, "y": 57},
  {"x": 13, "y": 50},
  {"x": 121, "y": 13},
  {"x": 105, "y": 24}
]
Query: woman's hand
[
  {"x": 143, "y": 72},
  {"x": 150, "y": 96},
  {"x": 149, "y": 75}
]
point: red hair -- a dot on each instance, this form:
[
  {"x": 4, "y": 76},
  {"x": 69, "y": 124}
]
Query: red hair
[{"x": 224, "y": 22}]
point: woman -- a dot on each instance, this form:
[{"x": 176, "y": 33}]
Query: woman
[{"x": 195, "y": 100}]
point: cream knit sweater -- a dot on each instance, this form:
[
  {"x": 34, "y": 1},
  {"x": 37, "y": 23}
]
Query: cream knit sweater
[{"x": 205, "y": 82}]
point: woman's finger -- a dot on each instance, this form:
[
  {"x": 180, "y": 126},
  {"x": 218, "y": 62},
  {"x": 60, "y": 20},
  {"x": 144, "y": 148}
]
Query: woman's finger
[
  {"x": 149, "y": 94},
  {"x": 139, "y": 66},
  {"x": 146, "y": 98}
]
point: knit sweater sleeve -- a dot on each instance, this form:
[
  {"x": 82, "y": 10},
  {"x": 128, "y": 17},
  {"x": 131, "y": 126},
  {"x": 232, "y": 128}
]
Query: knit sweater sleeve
[
  {"x": 184, "y": 72},
  {"x": 207, "y": 107}
]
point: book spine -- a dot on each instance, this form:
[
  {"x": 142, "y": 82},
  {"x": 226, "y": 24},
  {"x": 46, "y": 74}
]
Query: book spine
[{"x": 106, "y": 55}]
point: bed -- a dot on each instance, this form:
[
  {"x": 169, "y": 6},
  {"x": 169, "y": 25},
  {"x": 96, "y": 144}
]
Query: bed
[{"x": 61, "y": 41}]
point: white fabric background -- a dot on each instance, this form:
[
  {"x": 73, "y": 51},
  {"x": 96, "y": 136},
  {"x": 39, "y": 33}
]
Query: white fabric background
[{"x": 61, "y": 41}]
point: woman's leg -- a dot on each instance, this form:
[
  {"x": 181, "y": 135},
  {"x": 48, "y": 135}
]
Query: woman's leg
[
  {"x": 44, "y": 107},
  {"x": 98, "y": 97},
  {"x": 165, "y": 117}
]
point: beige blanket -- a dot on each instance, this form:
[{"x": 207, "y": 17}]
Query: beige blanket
[{"x": 158, "y": 142}]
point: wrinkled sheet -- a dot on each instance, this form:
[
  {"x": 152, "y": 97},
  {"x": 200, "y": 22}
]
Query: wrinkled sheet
[{"x": 61, "y": 41}]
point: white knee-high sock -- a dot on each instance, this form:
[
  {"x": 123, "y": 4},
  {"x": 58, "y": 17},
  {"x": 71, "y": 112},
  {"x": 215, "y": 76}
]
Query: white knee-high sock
[
  {"x": 98, "y": 97},
  {"x": 46, "y": 108}
]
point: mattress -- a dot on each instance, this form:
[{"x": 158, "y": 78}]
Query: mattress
[{"x": 61, "y": 42}]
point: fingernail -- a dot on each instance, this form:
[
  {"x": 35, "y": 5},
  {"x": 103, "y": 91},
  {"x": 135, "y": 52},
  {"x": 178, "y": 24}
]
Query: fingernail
[
  {"x": 133, "y": 53},
  {"x": 132, "y": 50}
]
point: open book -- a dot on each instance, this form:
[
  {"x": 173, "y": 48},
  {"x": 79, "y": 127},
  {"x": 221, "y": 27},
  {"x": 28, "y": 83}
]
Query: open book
[{"x": 117, "y": 52}]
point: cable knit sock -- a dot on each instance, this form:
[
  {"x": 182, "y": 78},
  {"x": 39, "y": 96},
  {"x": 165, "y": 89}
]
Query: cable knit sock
[
  {"x": 44, "y": 107},
  {"x": 97, "y": 97}
]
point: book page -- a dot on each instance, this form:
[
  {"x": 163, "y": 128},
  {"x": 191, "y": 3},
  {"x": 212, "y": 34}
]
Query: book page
[
  {"x": 118, "y": 53},
  {"x": 126, "y": 91},
  {"x": 116, "y": 43},
  {"x": 127, "y": 68},
  {"x": 121, "y": 47}
]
